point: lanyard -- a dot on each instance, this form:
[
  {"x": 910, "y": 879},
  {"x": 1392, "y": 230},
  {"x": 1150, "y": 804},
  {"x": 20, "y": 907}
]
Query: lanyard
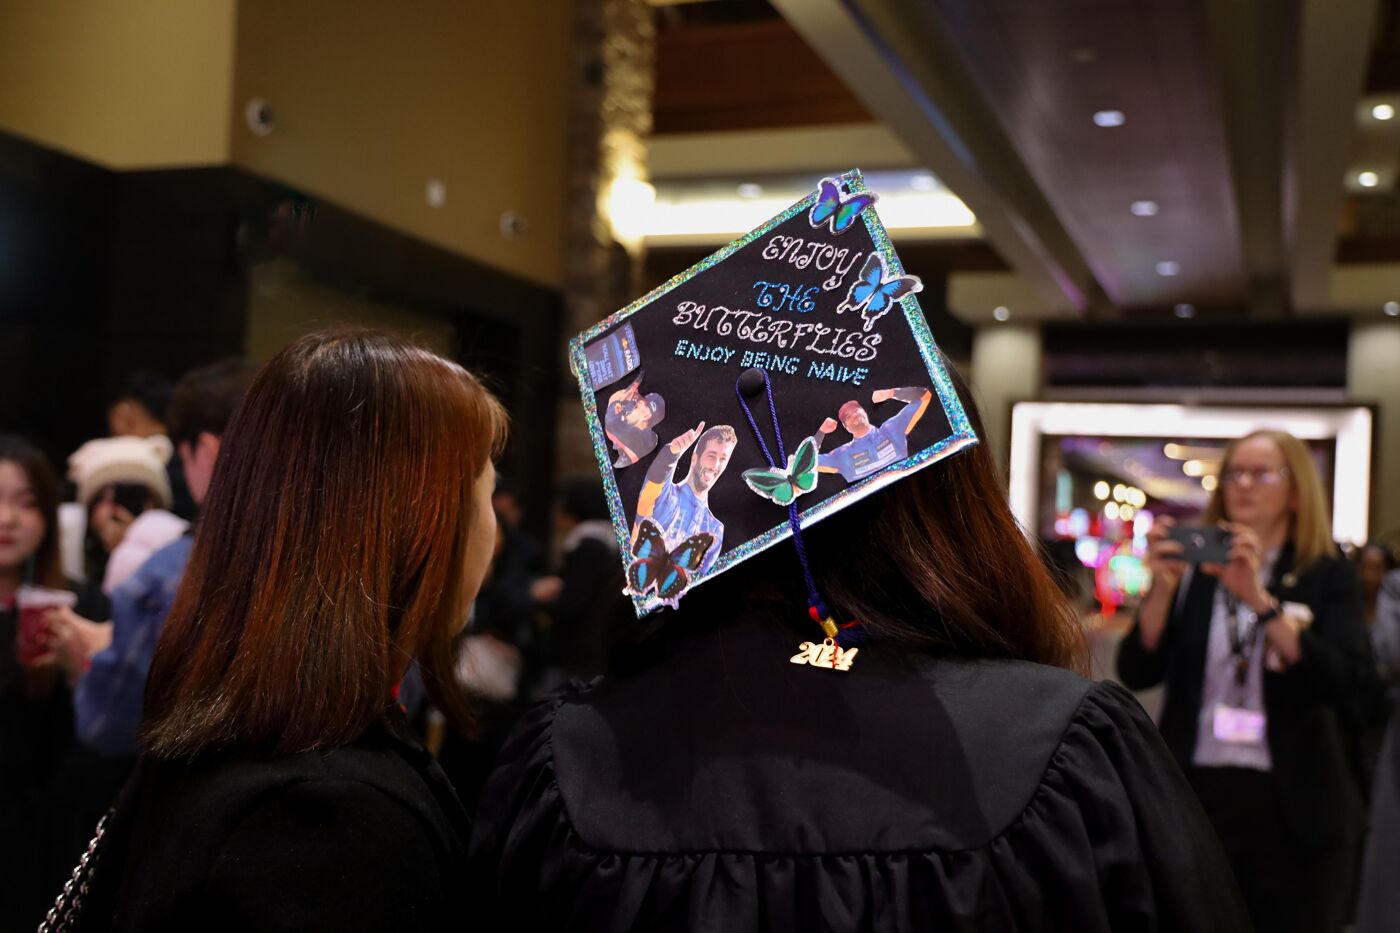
[{"x": 1242, "y": 640}]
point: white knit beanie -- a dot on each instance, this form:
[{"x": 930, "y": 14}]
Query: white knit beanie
[{"x": 108, "y": 460}]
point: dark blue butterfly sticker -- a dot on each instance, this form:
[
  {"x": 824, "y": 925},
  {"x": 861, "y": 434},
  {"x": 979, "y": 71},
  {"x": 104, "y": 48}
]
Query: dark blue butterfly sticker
[
  {"x": 657, "y": 568},
  {"x": 838, "y": 212},
  {"x": 876, "y": 291}
]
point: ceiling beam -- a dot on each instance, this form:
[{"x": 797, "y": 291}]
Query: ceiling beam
[
  {"x": 1251, "y": 43},
  {"x": 778, "y": 151},
  {"x": 1334, "y": 49},
  {"x": 895, "y": 58}
]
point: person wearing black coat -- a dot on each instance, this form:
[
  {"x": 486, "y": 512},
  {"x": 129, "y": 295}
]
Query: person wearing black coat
[
  {"x": 960, "y": 776},
  {"x": 36, "y": 706},
  {"x": 280, "y": 788},
  {"x": 369, "y": 836},
  {"x": 1272, "y": 641},
  {"x": 1379, "y": 902}
]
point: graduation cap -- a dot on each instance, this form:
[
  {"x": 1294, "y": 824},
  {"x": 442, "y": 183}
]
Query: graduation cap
[{"x": 796, "y": 375}]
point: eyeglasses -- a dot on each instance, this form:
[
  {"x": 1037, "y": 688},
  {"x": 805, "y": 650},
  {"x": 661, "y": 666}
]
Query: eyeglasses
[{"x": 1237, "y": 475}]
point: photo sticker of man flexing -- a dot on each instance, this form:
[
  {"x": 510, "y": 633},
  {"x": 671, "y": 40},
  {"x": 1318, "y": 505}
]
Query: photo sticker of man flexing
[
  {"x": 683, "y": 509},
  {"x": 872, "y": 448}
]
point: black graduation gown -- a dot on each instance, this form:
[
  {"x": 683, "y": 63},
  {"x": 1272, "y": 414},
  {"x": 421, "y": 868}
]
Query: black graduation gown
[{"x": 723, "y": 788}]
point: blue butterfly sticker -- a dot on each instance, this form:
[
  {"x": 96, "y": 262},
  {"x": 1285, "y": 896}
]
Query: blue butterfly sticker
[
  {"x": 876, "y": 291},
  {"x": 656, "y": 568},
  {"x": 836, "y": 211}
]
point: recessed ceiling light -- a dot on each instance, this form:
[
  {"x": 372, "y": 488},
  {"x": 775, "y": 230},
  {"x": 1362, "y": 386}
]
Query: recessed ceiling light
[
  {"x": 923, "y": 182},
  {"x": 1083, "y": 55},
  {"x": 1383, "y": 112},
  {"x": 1184, "y": 310},
  {"x": 749, "y": 190},
  {"x": 1392, "y": 308},
  {"x": 1168, "y": 268},
  {"x": 1002, "y": 313},
  {"x": 1368, "y": 179},
  {"x": 1143, "y": 208},
  {"x": 1109, "y": 118},
  {"x": 435, "y": 192}
]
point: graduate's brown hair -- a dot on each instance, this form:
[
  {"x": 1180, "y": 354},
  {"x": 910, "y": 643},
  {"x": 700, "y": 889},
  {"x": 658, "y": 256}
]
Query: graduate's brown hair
[
  {"x": 331, "y": 550},
  {"x": 937, "y": 562}
]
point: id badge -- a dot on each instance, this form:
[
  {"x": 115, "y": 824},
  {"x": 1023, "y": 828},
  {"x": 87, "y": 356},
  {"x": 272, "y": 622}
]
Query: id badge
[{"x": 1238, "y": 726}]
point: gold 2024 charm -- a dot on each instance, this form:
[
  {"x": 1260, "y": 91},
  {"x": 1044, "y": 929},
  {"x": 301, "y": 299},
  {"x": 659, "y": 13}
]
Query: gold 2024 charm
[{"x": 826, "y": 654}]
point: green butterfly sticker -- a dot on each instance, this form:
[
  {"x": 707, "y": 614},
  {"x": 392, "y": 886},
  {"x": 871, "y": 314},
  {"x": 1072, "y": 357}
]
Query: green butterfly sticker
[{"x": 783, "y": 486}]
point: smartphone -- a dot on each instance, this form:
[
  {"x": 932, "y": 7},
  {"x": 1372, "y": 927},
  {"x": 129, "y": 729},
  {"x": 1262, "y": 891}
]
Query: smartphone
[{"x": 1202, "y": 544}]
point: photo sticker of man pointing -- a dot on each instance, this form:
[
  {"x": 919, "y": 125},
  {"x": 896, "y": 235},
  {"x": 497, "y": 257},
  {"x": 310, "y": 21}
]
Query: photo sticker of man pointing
[{"x": 683, "y": 509}]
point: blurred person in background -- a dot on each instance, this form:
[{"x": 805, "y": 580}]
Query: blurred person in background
[
  {"x": 347, "y": 528},
  {"x": 574, "y": 597},
  {"x": 36, "y": 714},
  {"x": 117, "y": 480},
  {"x": 141, "y": 408},
  {"x": 1373, "y": 561},
  {"x": 1267, "y": 667},
  {"x": 503, "y": 608},
  {"x": 1379, "y": 906},
  {"x": 503, "y": 675},
  {"x": 490, "y": 664},
  {"x": 509, "y": 512},
  {"x": 109, "y": 666}
]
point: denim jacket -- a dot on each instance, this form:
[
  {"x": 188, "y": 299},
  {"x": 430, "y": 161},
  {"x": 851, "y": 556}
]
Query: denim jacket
[{"x": 108, "y": 699}]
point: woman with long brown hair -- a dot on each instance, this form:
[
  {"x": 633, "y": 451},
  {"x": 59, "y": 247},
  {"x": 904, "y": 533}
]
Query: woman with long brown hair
[
  {"x": 1267, "y": 665},
  {"x": 347, "y": 528},
  {"x": 962, "y": 775}
]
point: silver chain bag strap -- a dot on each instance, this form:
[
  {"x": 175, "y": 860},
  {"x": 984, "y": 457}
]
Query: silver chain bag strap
[{"x": 65, "y": 911}]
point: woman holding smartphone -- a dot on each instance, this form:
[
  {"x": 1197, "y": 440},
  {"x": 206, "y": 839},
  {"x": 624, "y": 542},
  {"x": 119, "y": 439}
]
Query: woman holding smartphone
[
  {"x": 347, "y": 529},
  {"x": 1266, "y": 660}
]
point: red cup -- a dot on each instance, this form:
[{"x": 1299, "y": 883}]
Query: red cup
[{"x": 34, "y": 603}]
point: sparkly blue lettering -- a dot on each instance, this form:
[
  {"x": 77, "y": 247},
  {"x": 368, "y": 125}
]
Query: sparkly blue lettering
[
  {"x": 785, "y": 297},
  {"x": 773, "y": 362},
  {"x": 834, "y": 373},
  {"x": 705, "y": 353}
]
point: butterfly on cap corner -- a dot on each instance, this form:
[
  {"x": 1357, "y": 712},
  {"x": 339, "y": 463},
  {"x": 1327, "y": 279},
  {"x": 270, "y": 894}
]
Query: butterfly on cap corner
[
  {"x": 784, "y": 486},
  {"x": 656, "y": 568},
  {"x": 876, "y": 291},
  {"x": 838, "y": 211}
]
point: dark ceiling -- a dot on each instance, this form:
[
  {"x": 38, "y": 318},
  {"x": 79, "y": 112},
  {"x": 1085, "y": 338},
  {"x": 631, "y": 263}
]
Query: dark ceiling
[{"x": 1237, "y": 115}]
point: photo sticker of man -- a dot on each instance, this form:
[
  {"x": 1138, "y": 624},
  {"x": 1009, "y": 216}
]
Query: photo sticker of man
[
  {"x": 872, "y": 448},
  {"x": 628, "y": 422},
  {"x": 683, "y": 509}
]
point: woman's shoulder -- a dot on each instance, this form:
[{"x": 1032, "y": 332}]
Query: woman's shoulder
[
  {"x": 352, "y": 834},
  {"x": 1324, "y": 568},
  {"x": 386, "y": 789}
]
